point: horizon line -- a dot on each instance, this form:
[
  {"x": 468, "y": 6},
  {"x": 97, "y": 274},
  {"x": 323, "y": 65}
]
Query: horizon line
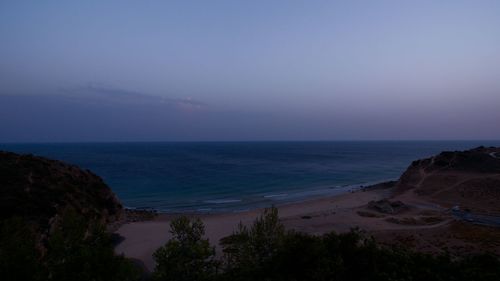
[{"x": 245, "y": 141}]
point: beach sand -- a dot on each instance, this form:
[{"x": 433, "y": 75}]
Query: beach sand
[{"x": 338, "y": 213}]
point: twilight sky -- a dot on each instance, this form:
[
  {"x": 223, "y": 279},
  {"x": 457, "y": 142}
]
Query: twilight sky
[{"x": 249, "y": 70}]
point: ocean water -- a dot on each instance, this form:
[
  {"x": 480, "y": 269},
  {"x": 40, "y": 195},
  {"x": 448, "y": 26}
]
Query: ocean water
[{"x": 237, "y": 176}]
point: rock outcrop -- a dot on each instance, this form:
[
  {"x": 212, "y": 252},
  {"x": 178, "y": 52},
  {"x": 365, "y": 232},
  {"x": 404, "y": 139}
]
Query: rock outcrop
[{"x": 385, "y": 206}]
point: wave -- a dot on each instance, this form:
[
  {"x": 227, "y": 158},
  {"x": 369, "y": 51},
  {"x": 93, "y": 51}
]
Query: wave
[
  {"x": 222, "y": 201},
  {"x": 204, "y": 210},
  {"x": 276, "y": 195}
]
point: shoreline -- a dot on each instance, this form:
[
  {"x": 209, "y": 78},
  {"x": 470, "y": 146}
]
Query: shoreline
[{"x": 315, "y": 194}]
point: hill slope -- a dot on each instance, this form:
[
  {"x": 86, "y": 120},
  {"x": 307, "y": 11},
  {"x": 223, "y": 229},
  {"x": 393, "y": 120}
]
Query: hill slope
[
  {"x": 38, "y": 189},
  {"x": 470, "y": 179}
]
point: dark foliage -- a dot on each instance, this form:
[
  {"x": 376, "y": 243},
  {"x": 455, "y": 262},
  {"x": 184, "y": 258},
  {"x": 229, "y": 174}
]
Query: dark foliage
[
  {"x": 19, "y": 258},
  {"x": 187, "y": 256},
  {"x": 52, "y": 218},
  {"x": 76, "y": 250},
  {"x": 253, "y": 248},
  {"x": 266, "y": 251}
]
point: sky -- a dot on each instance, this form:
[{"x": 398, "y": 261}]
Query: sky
[{"x": 78, "y": 71}]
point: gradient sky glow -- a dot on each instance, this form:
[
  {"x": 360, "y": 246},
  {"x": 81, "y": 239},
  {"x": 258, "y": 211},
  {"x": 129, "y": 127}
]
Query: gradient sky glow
[{"x": 249, "y": 70}]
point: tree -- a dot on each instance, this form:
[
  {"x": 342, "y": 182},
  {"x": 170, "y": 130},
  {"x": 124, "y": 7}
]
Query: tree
[
  {"x": 82, "y": 250},
  {"x": 187, "y": 256},
  {"x": 265, "y": 251},
  {"x": 247, "y": 252},
  {"x": 76, "y": 249}
]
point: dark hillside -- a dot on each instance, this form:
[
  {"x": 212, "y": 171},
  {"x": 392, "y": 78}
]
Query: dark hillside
[
  {"x": 469, "y": 178},
  {"x": 36, "y": 189}
]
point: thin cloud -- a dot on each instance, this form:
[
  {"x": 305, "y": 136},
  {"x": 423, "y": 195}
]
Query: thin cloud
[{"x": 100, "y": 93}]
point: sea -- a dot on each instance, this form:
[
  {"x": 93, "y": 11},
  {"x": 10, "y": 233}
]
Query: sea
[{"x": 212, "y": 177}]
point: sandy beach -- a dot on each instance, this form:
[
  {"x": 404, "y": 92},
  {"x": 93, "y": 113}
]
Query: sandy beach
[{"x": 337, "y": 213}]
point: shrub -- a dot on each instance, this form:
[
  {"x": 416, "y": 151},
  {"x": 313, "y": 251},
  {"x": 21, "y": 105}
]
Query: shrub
[
  {"x": 265, "y": 251},
  {"x": 82, "y": 250},
  {"x": 76, "y": 250},
  {"x": 187, "y": 256}
]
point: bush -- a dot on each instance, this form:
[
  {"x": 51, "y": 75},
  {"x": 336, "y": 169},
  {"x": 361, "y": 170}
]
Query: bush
[
  {"x": 82, "y": 250},
  {"x": 187, "y": 256},
  {"x": 265, "y": 251},
  {"x": 76, "y": 250}
]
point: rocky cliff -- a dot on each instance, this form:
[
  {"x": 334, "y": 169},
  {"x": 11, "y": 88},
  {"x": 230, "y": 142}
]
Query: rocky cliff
[{"x": 39, "y": 189}]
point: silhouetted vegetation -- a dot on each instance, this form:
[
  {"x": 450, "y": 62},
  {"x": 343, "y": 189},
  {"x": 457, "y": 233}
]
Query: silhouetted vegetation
[
  {"x": 52, "y": 223},
  {"x": 76, "y": 249},
  {"x": 187, "y": 256},
  {"x": 265, "y": 251}
]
